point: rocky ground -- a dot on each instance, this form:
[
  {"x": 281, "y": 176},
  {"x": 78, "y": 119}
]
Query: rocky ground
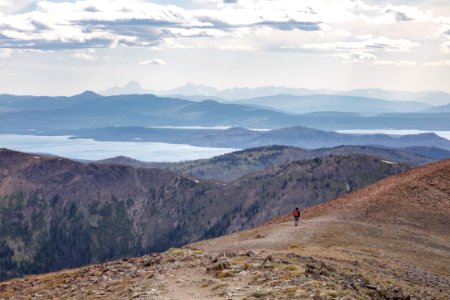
[
  {"x": 371, "y": 244},
  {"x": 271, "y": 262}
]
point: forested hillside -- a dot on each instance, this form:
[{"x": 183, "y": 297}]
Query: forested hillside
[
  {"x": 231, "y": 166},
  {"x": 56, "y": 213}
]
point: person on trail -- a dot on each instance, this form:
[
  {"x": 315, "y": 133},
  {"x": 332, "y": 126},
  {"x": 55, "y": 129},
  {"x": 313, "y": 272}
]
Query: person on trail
[{"x": 296, "y": 214}]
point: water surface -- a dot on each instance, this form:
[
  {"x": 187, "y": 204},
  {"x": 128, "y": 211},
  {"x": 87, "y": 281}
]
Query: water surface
[{"x": 89, "y": 149}]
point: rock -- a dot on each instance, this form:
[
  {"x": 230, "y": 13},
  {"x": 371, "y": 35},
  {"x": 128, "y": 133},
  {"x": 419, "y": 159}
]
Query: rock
[
  {"x": 394, "y": 293},
  {"x": 371, "y": 287}
]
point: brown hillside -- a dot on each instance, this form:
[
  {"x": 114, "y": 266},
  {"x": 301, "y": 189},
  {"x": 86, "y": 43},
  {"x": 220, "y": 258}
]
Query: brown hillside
[
  {"x": 419, "y": 197},
  {"x": 56, "y": 213},
  {"x": 388, "y": 241}
]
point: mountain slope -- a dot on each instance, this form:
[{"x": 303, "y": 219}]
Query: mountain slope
[
  {"x": 394, "y": 236},
  {"x": 350, "y": 248},
  {"x": 56, "y": 213},
  {"x": 420, "y": 198},
  {"x": 231, "y": 166}
]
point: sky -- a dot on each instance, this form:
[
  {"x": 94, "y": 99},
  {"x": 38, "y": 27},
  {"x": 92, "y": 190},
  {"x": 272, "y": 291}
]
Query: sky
[{"x": 65, "y": 47}]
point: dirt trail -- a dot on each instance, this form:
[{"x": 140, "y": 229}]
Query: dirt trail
[
  {"x": 377, "y": 250},
  {"x": 267, "y": 238},
  {"x": 194, "y": 283},
  {"x": 325, "y": 256}
]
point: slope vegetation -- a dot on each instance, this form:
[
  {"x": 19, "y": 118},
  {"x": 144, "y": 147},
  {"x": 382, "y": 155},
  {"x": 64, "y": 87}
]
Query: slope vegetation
[
  {"x": 56, "y": 213},
  {"x": 229, "y": 167},
  {"x": 369, "y": 244}
]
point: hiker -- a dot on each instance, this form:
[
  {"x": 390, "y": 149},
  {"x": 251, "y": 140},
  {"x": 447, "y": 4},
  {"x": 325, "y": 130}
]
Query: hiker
[{"x": 296, "y": 214}]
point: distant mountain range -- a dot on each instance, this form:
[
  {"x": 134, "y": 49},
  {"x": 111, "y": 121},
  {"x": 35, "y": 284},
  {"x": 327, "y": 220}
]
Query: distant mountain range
[
  {"x": 59, "y": 115},
  {"x": 337, "y": 103},
  {"x": 231, "y": 166},
  {"x": 192, "y": 91},
  {"x": 439, "y": 109},
  {"x": 56, "y": 213}
]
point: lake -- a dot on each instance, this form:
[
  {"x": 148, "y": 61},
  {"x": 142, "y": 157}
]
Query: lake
[
  {"x": 88, "y": 149},
  {"x": 207, "y": 127}
]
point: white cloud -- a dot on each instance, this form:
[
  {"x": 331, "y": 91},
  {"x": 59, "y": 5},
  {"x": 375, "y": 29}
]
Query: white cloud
[
  {"x": 106, "y": 23},
  {"x": 400, "y": 63},
  {"x": 341, "y": 32},
  {"x": 444, "y": 25},
  {"x": 403, "y": 13},
  {"x": 380, "y": 44},
  {"x": 83, "y": 56},
  {"x": 4, "y": 3},
  {"x": 355, "y": 57},
  {"x": 5, "y": 53},
  {"x": 354, "y": 31},
  {"x": 153, "y": 62},
  {"x": 235, "y": 47},
  {"x": 445, "y": 47},
  {"x": 441, "y": 63}
]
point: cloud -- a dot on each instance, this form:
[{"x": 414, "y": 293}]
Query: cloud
[
  {"x": 399, "y": 16},
  {"x": 83, "y": 56},
  {"x": 355, "y": 57},
  {"x": 235, "y": 47},
  {"x": 291, "y": 25},
  {"x": 84, "y": 24},
  {"x": 445, "y": 47},
  {"x": 5, "y": 53},
  {"x": 404, "y": 13},
  {"x": 380, "y": 44},
  {"x": 105, "y": 23},
  {"x": 153, "y": 62},
  {"x": 4, "y": 3},
  {"x": 400, "y": 63},
  {"x": 369, "y": 58},
  {"x": 441, "y": 63}
]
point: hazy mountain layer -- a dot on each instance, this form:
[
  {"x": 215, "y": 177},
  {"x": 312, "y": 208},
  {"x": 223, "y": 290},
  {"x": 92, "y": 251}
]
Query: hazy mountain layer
[
  {"x": 59, "y": 115},
  {"x": 241, "y": 138},
  {"x": 340, "y": 103},
  {"x": 237, "y": 93}
]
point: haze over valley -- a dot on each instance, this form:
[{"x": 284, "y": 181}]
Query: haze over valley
[{"x": 90, "y": 117}]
